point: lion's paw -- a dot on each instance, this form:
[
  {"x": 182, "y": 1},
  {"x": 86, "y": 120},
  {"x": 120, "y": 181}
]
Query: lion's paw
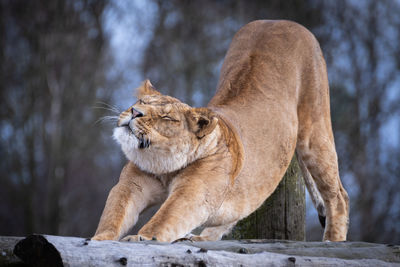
[
  {"x": 198, "y": 238},
  {"x": 107, "y": 235},
  {"x": 134, "y": 238},
  {"x": 191, "y": 238},
  {"x": 183, "y": 239}
]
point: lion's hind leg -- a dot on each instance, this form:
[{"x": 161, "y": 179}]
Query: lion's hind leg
[
  {"x": 317, "y": 151},
  {"x": 312, "y": 189}
]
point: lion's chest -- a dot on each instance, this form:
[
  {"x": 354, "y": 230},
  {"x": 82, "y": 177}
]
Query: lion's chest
[{"x": 159, "y": 162}]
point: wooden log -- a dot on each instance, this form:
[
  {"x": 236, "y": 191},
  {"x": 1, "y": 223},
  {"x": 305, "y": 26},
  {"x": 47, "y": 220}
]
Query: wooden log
[
  {"x": 282, "y": 216},
  {"x": 40, "y": 250}
]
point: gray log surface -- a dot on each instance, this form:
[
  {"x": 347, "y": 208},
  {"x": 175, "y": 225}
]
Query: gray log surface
[{"x": 80, "y": 252}]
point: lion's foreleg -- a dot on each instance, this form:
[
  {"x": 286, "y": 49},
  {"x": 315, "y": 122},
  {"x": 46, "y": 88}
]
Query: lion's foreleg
[
  {"x": 184, "y": 210},
  {"x": 126, "y": 200},
  {"x": 120, "y": 213}
]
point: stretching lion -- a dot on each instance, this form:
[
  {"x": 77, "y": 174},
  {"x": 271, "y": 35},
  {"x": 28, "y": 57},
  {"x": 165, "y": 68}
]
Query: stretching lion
[{"x": 214, "y": 166}]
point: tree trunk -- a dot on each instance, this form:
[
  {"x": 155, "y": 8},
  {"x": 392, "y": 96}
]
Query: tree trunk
[{"x": 282, "y": 216}]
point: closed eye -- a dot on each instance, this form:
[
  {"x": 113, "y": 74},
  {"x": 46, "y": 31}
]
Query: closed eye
[
  {"x": 168, "y": 118},
  {"x": 142, "y": 102}
]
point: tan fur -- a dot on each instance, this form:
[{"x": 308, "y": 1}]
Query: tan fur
[{"x": 214, "y": 166}]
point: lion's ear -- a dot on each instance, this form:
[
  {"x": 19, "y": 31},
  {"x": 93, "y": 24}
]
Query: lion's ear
[
  {"x": 146, "y": 88},
  {"x": 201, "y": 121}
]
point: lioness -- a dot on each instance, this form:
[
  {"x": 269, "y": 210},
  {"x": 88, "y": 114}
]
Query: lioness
[{"x": 214, "y": 166}]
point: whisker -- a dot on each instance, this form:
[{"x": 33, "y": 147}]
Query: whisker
[
  {"x": 107, "y": 119},
  {"x": 106, "y": 104},
  {"x": 110, "y": 107}
]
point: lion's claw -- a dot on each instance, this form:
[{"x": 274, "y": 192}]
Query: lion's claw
[{"x": 133, "y": 238}]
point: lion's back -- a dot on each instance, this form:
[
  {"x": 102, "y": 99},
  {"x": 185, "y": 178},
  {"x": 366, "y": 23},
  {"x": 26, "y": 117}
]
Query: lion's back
[{"x": 264, "y": 61}]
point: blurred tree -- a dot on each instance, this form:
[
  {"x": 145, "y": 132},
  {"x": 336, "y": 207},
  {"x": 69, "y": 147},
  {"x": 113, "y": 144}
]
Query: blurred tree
[{"x": 54, "y": 63}]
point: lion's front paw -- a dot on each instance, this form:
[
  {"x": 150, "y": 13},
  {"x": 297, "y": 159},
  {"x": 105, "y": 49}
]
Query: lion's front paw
[
  {"x": 191, "y": 238},
  {"x": 133, "y": 238},
  {"x": 107, "y": 235},
  {"x": 198, "y": 238},
  {"x": 183, "y": 239}
]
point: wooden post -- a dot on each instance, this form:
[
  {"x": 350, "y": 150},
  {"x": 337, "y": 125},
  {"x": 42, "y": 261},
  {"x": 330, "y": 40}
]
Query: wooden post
[{"x": 282, "y": 216}]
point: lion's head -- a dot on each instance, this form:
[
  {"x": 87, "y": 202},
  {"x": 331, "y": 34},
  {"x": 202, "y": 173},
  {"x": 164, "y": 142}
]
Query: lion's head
[{"x": 160, "y": 134}]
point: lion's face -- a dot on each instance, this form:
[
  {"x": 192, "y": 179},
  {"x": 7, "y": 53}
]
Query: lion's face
[
  {"x": 159, "y": 133},
  {"x": 154, "y": 120}
]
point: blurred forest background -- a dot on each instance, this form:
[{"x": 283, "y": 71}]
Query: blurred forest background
[{"x": 62, "y": 62}]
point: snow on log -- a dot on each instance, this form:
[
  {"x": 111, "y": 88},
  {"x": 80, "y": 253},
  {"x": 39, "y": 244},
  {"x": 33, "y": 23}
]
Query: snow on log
[{"x": 45, "y": 250}]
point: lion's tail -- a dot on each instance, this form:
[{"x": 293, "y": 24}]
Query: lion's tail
[{"x": 313, "y": 191}]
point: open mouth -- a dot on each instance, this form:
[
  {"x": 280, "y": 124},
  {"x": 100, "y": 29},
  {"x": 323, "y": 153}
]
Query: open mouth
[{"x": 143, "y": 140}]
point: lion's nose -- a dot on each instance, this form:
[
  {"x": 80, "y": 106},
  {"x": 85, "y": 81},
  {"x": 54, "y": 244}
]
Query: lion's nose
[{"x": 136, "y": 113}]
